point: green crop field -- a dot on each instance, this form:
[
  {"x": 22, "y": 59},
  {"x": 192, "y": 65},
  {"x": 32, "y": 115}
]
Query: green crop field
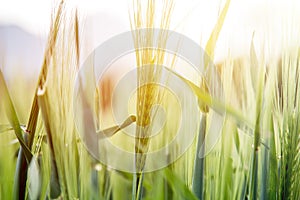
[{"x": 245, "y": 129}]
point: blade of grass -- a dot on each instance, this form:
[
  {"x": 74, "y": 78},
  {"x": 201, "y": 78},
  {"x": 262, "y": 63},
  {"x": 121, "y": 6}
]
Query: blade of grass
[
  {"x": 178, "y": 186},
  {"x": 257, "y": 138},
  {"x": 12, "y": 117},
  {"x": 254, "y": 65},
  {"x": 24, "y": 156},
  {"x": 218, "y": 106},
  {"x": 20, "y": 178},
  {"x": 212, "y": 41},
  {"x": 198, "y": 176},
  {"x": 272, "y": 173}
]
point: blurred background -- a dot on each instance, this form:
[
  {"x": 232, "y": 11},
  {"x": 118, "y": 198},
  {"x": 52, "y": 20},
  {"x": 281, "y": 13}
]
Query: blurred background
[{"x": 24, "y": 27}]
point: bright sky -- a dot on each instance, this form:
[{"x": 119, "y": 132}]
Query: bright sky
[{"x": 195, "y": 18}]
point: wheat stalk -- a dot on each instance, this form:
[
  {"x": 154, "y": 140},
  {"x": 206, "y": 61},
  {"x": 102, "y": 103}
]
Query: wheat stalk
[{"x": 149, "y": 63}]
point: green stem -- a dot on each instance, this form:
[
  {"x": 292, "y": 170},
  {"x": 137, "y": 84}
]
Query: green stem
[
  {"x": 139, "y": 192},
  {"x": 21, "y": 174},
  {"x": 254, "y": 178},
  {"x": 198, "y": 177},
  {"x": 137, "y": 186}
]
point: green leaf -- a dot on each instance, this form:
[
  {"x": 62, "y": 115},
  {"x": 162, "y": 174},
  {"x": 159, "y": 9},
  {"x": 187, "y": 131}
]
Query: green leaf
[
  {"x": 212, "y": 41},
  {"x": 254, "y": 65},
  {"x": 198, "y": 175},
  {"x": 273, "y": 165},
  {"x": 12, "y": 116},
  {"x": 218, "y": 106},
  {"x": 257, "y": 138},
  {"x": 178, "y": 185},
  {"x": 113, "y": 130}
]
